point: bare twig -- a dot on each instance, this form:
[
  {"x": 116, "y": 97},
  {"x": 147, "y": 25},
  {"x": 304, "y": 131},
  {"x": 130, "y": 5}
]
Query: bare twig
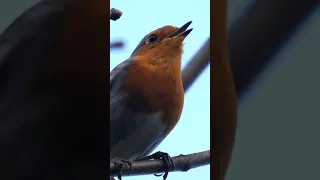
[
  {"x": 115, "y": 14},
  {"x": 117, "y": 44},
  {"x": 181, "y": 163},
  {"x": 196, "y": 65}
]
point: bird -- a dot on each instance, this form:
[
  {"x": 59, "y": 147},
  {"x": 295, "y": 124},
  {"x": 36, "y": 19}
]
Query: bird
[
  {"x": 146, "y": 94},
  {"x": 54, "y": 92}
]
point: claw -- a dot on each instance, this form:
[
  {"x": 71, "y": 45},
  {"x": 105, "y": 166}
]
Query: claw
[
  {"x": 121, "y": 163},
  {"x": 167, "y": 159}
]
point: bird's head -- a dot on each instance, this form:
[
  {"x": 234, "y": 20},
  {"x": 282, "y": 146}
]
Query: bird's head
[{"x": 165, "y": 41}]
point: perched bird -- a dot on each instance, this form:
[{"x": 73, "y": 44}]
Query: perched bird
[{"x": 146, "y": 94}]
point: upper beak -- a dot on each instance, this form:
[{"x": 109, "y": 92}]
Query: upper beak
[{"x": 182, "y": 31}]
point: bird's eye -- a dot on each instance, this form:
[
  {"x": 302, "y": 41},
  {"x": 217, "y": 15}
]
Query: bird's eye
[{"x": 152, "y": 38}]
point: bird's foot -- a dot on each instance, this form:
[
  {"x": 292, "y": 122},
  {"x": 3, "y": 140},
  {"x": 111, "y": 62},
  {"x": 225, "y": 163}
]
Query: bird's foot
[
  {"x": 121, "y": 163},
  {"x": 163, "y": 156}
]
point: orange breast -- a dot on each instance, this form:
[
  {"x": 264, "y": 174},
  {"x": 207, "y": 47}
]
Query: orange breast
[{"x": 155, "y": 87}]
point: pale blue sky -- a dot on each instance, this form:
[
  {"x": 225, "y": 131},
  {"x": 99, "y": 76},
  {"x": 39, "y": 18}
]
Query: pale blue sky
[{"x": 192, "y": 133}]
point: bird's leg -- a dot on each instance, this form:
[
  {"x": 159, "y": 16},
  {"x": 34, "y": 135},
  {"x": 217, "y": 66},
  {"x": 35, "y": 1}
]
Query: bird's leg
[
  {"x": 167, "y": 159},
  {"x": 120, "y": 163}
]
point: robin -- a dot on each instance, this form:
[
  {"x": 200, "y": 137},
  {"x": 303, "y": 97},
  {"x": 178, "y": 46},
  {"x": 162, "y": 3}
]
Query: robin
[{"x": 147, "y": 95}]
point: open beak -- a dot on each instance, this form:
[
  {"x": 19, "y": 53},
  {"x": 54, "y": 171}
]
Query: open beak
[{"x": 182, "y": 31}]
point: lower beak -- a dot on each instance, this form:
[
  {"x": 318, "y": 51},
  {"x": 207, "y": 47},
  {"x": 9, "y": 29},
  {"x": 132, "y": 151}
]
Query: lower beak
[{"x": 182, "y": 31}]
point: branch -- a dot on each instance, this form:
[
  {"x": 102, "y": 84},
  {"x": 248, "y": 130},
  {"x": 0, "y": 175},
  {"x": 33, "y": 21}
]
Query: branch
[
  {"x": 181, "y": 163},
  {"x": 196, "y": 65},
  {"x": 223, "y": 94},
  {"x": 115, "y": 14},
  {"x": 249, "y": 56},
  {"x": 117, "y": 44}
]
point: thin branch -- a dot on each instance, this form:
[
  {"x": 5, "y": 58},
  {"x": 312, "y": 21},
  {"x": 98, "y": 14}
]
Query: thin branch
[
  {"x": 115, "y": 14},
  {"x": 181, "y": 163},
  {"x": 117, "y": 44},
  {"x": 196, "y": 65}
]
